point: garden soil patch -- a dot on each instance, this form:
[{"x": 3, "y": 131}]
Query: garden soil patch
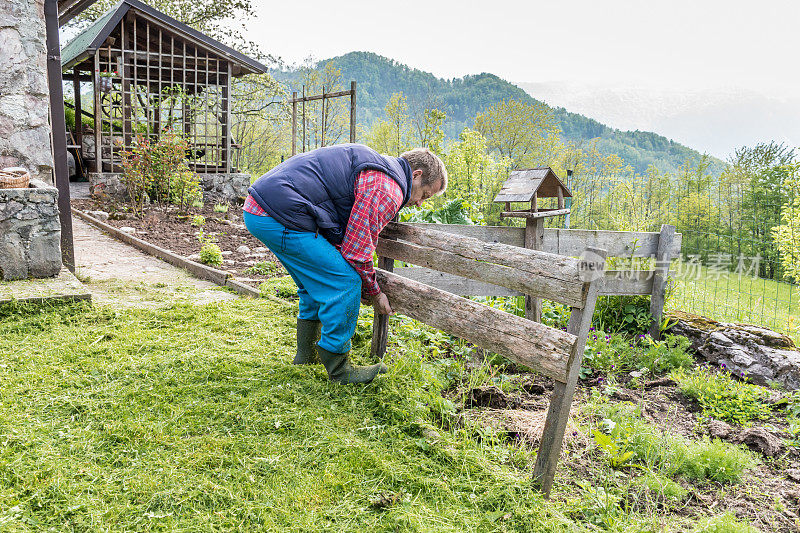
[{"x": 170, "y": 230}]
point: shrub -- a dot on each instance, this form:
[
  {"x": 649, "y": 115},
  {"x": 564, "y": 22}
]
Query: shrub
[
  {"x": 666, "y": 489},
  {"x": 717, "y": 461},
  {"x": 617, "y": 353},
  {"x": 220, "y": 208},
  {"x": 722, "y": 397},
  {"x": 198, "y": 204},
  {"x": 198, "y": 220},
  {"x": 158, "y": 170}
]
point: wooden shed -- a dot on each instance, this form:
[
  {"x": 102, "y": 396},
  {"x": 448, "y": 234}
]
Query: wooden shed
[{"x": 151, "y": 74}]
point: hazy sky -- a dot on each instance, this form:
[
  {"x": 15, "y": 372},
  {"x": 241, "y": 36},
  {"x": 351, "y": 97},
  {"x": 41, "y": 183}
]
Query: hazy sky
[{"x": 670, "y": 44}]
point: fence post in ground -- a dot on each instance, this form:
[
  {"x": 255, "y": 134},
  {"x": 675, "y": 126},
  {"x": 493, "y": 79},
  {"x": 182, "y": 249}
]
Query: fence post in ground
[
  {"x": 663, "y": 259},
  {"x": 380, "y": 323},
  {"x": 534, "y": 237},
  {"x": 561, "y": 401}
]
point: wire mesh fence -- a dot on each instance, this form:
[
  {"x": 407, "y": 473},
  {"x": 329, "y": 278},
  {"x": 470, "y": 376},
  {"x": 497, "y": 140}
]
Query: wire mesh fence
[{"x": 741, "y": 236}]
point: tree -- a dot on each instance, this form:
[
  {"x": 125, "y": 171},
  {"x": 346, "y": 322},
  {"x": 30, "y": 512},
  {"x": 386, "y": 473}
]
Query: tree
[
  {"x": 392, "y": 135},
  {"x": 525, "y": 134},
  {"x": 787, "y": 234}
]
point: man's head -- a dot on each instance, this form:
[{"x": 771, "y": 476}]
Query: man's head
[{"x": 429, "y": 176}]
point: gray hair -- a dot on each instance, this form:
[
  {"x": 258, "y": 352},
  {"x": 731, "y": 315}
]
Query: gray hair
[{"x": 432, "y": 167}]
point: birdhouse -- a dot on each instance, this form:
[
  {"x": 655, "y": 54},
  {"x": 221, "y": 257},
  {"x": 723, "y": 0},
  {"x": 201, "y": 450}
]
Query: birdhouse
[{"x": 530, "y": 185}]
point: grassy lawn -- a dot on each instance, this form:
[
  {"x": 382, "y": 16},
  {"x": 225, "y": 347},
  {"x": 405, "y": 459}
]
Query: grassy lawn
[
  {"x": 735, "y": 298},
  {"x": 192, "y": 419}
]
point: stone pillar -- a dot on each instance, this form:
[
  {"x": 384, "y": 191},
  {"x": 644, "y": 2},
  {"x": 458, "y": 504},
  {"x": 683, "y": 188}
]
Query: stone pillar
[{"x": 24, "y": 95}]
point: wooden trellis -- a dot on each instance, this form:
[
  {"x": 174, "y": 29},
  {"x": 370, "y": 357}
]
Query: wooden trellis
[
  {"x": 552, "y": 352},
  {"x": 302, "y": 99}
]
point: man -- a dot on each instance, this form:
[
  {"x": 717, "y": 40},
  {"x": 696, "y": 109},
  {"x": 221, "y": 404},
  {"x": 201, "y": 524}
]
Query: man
[{"x": 320, "y": 213}]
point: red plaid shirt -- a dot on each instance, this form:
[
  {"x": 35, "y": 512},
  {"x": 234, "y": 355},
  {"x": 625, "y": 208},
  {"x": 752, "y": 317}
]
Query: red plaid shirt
[{"x": 378, "y": 198}]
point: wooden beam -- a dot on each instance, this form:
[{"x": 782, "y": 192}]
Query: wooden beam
[
  {"x": 663, "y": 259},
  {"x": 59, "y": 131},
  {"x": 534, "y": 236},
  {"x": 561, "y": 400},
  {"x": 294, "y": 123},
  {"x": 319, "y": 96},
  {"x": 534, "y": 214},
  {"x": 549, "y": 276},
  {"x": 352, "y": 111},
  {"x": 569, "y": 242},
  {"x": 615, "y": 282},
  {"x": 546, "y": 350}
]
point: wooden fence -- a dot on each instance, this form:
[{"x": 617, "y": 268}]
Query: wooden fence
[
  {"x": 552, "y": 352},
  {"x": 662, "y": 247}
]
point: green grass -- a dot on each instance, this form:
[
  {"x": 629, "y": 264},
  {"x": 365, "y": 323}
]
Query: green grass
[
  {"x": 734, "y": 298},
  {"x": 192, "y": 418}
]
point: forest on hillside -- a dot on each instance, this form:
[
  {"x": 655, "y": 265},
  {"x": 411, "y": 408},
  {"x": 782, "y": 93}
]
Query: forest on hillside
[{"x": 462, "y": 98}]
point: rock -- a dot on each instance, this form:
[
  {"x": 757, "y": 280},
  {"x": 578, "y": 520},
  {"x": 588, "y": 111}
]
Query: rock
[
  {"x": 127, "y": 229},
  {"x": 243, "y": 249},
  {"x": 227, "y": 252},
  {"x": 102, "y": 216},
  {"x": 793, "y": 474},
  {"x": 193, "y": 257},
  {"x": 260, "y": 249},
  {"x": 719, "y": 429},
  {"x": 757, "y": 353},
  {"x": 759, "y": 439},
  {"x": 258, "y": 254}
]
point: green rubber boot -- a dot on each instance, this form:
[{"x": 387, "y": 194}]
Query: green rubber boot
[
  {"x": 339, "y": 368},
  {"x": 307, "y": 337}
]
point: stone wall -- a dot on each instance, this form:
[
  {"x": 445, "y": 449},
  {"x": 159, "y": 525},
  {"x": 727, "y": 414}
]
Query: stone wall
[
  {"x": 224, "y": 188},
  {"x": 30, "y": 232},
  {"x": 227, "y": 188},
  {"x": 24, "y": 95}
]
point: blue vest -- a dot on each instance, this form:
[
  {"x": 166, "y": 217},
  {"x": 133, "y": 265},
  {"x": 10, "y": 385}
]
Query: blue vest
[{"x": 315, "y": 191}]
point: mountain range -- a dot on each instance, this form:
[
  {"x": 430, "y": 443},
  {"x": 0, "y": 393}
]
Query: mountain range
[{"x": 379, "y": 77}]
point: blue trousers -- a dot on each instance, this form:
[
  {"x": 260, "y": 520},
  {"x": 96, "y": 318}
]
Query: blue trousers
[{"x": 328, "y": 286}]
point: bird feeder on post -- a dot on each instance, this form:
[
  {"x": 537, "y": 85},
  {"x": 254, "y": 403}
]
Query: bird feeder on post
[{"x": 529, "y": 186}]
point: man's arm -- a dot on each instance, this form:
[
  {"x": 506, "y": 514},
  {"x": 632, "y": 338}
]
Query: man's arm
[{"x": 378, "y": 198}]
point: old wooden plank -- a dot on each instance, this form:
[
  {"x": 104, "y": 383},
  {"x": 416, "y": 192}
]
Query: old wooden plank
[
  {"x": 663, "y": 257},
  {"x": 551, "y": 276},
  {"x": 570, "y": 242},
  {"x": 546, "y": 350},
  {"x": 627, "y": 282},
  {"x": 454, "y": 284},
  {"x": 557, "y": 284},
  {"x": 536, "y": 215},
  {"x": 534, "y": 237},
  {"x": 615, "y": 282},
  {"x": 561, "y": 399}
]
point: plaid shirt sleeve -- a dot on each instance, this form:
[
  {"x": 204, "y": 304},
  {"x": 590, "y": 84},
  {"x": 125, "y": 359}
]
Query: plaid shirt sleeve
[{"x": 378, "y": 199}]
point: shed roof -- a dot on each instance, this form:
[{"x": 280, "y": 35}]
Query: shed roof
[
  {"x": 89, "y": 40},
  {"x": 523, "y": 184}
]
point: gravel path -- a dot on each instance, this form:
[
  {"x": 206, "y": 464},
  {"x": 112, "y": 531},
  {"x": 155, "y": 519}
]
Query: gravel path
[{"x": 120, "y": 275}]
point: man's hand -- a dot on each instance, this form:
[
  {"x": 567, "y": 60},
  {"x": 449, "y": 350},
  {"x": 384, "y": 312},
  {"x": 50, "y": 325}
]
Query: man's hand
[{"x": 381, "y": 304}]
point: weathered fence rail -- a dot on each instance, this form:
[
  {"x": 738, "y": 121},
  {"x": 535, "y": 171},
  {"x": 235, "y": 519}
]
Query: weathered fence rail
[
  {"x": 567, "y": 280},
  {"x": 662, "y": 246}
]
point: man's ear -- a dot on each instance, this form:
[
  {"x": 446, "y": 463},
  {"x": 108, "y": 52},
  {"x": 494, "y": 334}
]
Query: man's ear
[{"x": 417, "y": 174}]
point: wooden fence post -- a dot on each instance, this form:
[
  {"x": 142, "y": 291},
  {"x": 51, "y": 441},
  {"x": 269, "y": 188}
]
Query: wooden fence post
[
  {"x": 663, "y": 259},
  {"x": 534, "y": 237},
  {"x": 380, "y": 323},
  {"x": 561, "y": 401}
]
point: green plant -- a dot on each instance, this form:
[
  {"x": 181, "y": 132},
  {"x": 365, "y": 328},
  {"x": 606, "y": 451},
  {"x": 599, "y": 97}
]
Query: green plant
[
  {"x": 622, "y": 314},
  {"x": 157, "y": 170},
  {"x": 198, "y": 204},
  {"x": 724, "y": 523},
  {"x": 722, "y": 397},
  {"x": 615, "y": 454},
  {"x": 666, "y": 489},
  {"x": 210, "y": 253},
  {"x": 716, "y": 460},
  {"x": 198, "y": 220},
  {"x": 263, "y": 268},
  {"x": 220, "y": 208},
  {"x": 282, "y": 287}
]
